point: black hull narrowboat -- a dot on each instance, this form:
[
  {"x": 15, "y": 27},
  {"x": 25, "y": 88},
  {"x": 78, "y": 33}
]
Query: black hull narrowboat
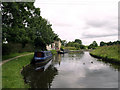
[
  {"x": 62, "y": 52},
  {"x": 41, "y": 57}
]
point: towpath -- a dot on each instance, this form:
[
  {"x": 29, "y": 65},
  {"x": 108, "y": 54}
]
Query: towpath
[{"x": 14, "y": 58}]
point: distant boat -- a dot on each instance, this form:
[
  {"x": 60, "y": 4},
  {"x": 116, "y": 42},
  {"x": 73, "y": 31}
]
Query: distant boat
[
  {"x": 41, "y": 57},
  {"x": 62, "y": 51}
]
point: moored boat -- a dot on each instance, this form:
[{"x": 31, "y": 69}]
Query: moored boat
[
  {"x": 41, "y": 57},
  {"x": 63, "y": 51}
]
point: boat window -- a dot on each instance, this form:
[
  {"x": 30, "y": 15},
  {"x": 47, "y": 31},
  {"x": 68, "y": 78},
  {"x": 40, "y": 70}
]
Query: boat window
[
  {"x": 40, "y": 54},
  {"x": 47, "y": 54}
]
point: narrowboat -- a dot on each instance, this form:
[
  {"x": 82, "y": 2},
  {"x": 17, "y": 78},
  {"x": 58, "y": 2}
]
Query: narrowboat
[
  {"x": 62, "y": 51},
  {"x": 41, "y": 57},
  {"x": 43, "y": 67}
]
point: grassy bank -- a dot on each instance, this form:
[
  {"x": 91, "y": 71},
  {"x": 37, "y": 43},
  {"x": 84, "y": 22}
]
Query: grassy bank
[
  {"x": 70, "y": 48},
  {"x": 11, "y": 72},
  {"x": 108, "y": 53},
  {"x": 53, "y": 52},
  {"x": 13, "y": 55}
]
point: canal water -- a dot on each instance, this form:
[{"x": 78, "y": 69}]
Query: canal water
[{"x": 75, "y": 70}]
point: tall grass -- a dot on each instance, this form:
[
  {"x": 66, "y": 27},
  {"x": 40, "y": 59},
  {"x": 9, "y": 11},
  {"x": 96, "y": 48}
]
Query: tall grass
[
  {"x": 108, "y": 52},
  {"x": 11, "y": 72}
]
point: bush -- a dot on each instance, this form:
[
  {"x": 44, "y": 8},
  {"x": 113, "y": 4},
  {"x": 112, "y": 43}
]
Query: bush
[
  {"x": 16, "y": 48},
  {"x": 53, "y": 52}
]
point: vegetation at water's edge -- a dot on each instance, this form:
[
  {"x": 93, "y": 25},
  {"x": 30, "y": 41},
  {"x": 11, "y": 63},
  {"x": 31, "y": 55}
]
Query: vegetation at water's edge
[
  {"x": 12, "y": 55},
  {"x": 53, "y": 52},
  {"x": 109, "y": 53},
  {"x": 11, "y": 72}
]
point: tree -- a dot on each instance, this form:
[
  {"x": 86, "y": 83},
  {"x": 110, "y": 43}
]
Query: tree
[
  {"x": 63, "y": 42},
  {"x": 15, "y": 17},
  {"x": 82, "y": 47},
  {"x": 22, "y": 23},
  {"x": 77, "y": 45},
  {"x": 78, "y": 41},
  {"x": 102, "y": 43},
  {"x": 93, "y": 45}
]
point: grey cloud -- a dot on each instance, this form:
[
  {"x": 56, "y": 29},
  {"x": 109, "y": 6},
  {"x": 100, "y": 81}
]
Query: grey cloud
[
  {"x": 95, "y": 23},
  {"x": 96, "y": 36},
  {"x": 110, "y": 23}
]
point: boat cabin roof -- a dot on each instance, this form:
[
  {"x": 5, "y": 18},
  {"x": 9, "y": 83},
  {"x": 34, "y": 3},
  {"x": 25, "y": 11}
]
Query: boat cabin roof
[{"x": 43, "y": 51}]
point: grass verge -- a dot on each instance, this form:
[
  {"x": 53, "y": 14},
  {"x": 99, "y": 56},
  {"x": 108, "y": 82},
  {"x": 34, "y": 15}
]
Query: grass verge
[
  {"x": 108, "y": 53},
  {"x": 53, "y": 52},
  {"x": 4, "y": 57},
  {"x": 11, "y": 72},
  {"x": 70, "y": 48}
]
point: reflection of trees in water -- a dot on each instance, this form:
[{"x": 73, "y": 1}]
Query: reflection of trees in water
[
  {"x": 112, "y": 65},
  {"x": 57, "y": 58},
  {"x": 38, "y": 79},
  {"x": 76, "y": 56}
]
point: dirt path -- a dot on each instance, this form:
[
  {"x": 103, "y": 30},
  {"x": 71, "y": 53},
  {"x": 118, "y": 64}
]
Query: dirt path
[{"x": 14, "y": 58}]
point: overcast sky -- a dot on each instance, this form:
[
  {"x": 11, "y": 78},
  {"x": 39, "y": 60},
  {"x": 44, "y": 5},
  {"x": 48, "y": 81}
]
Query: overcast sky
[{"x": 87, "y": 20}]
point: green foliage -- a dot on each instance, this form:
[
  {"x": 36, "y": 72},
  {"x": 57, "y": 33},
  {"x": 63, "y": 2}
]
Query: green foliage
[
  {"x": 93, "y": 45},
  {"x": 77, "y": 44},
  {"x": 109, "y": 52},
  {"x": 70, "y": 44},
  {"x": 5, "y": 57},
  {"x": 16, "y": 48},
  {"x": 62, "y": 47},
  {"x": 22, "y": 23},
  {"x": 109, "y": 43},
  {"x": 14, "y": 17},
  {"x": 70, "y": 48},
  {"x": 63, "y": 42},
  {"x": 53, "y": 52},
  {"x": 11, "y": 72},
  {"x": 78, "y": 41},
  {"x": 102, "y": 43}
]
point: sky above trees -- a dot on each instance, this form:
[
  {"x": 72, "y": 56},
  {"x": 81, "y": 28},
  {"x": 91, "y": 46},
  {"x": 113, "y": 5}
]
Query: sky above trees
[{"x": 88, "y": 20}]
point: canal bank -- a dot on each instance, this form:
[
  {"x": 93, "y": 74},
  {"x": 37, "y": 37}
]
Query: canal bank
[
  {"x": 11, "y": 77},
  {"x": 13, "y": 56},
  {"x": 11, "y": 72},
  {"x": 107, "y": 53}
]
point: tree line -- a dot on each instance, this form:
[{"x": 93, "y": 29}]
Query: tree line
[
  {"x": 94, "y": 44},
  {"x": 77, "y": 43},
  {"x": 22, "y": 23},
  {"x": 109, "y": 43}
]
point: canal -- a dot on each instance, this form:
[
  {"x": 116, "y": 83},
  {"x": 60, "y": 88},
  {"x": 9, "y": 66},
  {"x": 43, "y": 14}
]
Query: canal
[{"x": 75, "y": 70}]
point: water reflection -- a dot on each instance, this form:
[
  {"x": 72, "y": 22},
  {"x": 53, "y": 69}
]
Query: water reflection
[
  {"x": 40, "y": 76},
  {"x": 113, "y": 66},
  {"x": 57, "y": 59},
  {"x": 76, "y": 56},
  {"x": 73, "y": 70}
]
